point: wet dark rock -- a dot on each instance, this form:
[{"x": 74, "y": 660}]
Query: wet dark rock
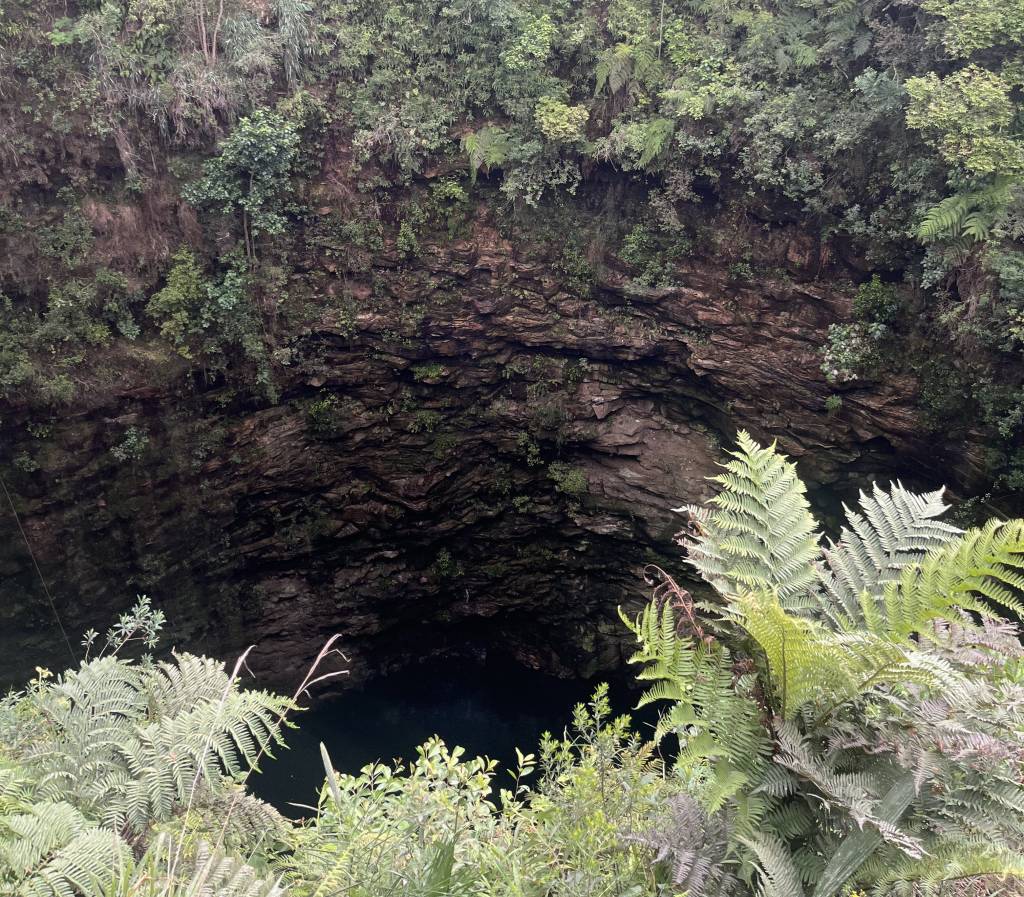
[{"x": 439, "y": 509}]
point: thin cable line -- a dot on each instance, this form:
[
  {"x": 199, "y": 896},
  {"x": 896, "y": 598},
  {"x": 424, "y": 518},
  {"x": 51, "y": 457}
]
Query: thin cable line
[{"x": 35, "y": 563}]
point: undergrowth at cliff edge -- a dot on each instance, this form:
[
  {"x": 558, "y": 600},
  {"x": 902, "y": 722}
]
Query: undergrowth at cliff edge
[{"x": 840, "y": 717}]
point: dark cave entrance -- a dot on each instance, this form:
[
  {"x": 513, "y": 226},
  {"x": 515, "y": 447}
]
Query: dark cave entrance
[{"x": 488, "y": 706}]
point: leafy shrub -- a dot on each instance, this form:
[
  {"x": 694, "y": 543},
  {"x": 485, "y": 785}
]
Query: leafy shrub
[
  {"x": 180, "y": 307},
  {"x": 446, "y": 566},
  {"x": 40, "y": 346},
  {"x": 486, "y": 149},
  {"x": 428, "y": 372},
  {"x": 323, "y": 417},
  {"x": 406, "y": 241},
  {"x": 852, "y": 350},
  {"x": 449, "y": 203},
  {"x": 425, "y": 421},
  {"x": 24, "y": 462},
  {"x": 70, "y": 240},
  {"x": 94, "y": 759},
  {"x": 568, "y": 480},
  {"x": 560, "y": 123},
  {"x": 740, "y": 272},
  {"x": 848, "y": 716},
  {"x": 207, "y": 318},
  {"x": 132, "y": 445},
  {"x": 876, "y": 302},
  {"x": 651, "y": 254}
]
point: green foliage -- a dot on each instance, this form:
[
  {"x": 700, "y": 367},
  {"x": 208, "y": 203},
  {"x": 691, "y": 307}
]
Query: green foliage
[
  {"x": 449, "y": 203},
  {"x": 603, "y": 818},
  {"x": 428, "y": 372},
  {"x": 91, "y": 760},
  {"x": 406, "y": 241},
  {"x": 41, "y": 346},
  {"x": 835, "y": 774},
  {"x": 208, "y": 319},
  {"x": 652, "y": 254},
  {"x": 759, "y": 531},
  {"x": 970, "y": 27},
  {"x": 180, "y": 307},
  {"x": 569, "y": 480},
  {"x": 852, "y": 350},
  {"x": 970, "y": 216},
  {"x": 425, "y": 421},
  {"x": 251, "y": 176},
  {"x": 876, "y": 302},
  {"x": 188, "y": 65},
  {"x": 132, "y": 445},
  {"x": 558, "y": 122},
  {"x": 967, "y": 115},
  {"x": 324, "y": 417},
  {"x": 485, "y": 149},
  {"x": 704, "y": 109},
  {"x": 69, "y": 241},
  {"x": 858, "y": 349},
  {"x": 446, "y": 566},
  {"x": 848, "y": 715}
]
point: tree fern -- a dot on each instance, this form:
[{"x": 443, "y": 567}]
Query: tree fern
[
  {"x": 759, "y": 533},
  {"x": 882, "y": 674},
  {"x": 164, "y": 872},
  {"x": 779, "y": 876},
  {"x": 980, "y": 572},
  {"x": 722, "y": 739},
  {"x": 858, "y": 846},
  {"x": 888, "y": 531},
  {"x": 929, "y": 876},
  {"x": 128, "y": 743},
  {"x": 486, "y": 149},
  {"x": 657, "y": 138},
  {"x": 970, "y": 215},
  {"x": 626, "y": 67}
]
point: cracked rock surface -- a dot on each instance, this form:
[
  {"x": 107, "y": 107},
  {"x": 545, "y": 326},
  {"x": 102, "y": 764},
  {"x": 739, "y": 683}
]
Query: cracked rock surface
[{"x": 479, "y": 459}]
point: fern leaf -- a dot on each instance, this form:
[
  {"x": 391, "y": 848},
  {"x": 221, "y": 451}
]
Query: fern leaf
[{"x": 760, "y": 534}]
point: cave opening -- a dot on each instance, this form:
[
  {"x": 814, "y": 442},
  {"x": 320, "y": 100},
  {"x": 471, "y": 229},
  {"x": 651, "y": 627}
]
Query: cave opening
[{"x": 488, "y": 706}]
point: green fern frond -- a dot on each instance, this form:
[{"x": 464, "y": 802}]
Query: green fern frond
[
  {"x": 945, "y": 218},
  {"x": 979, "y": 572},
  {"x": 164, "y": 872},
  {"x": 53, "y": 850},
  {"x": 888, "y": 531},
  {"x": 657, "y": 138},
  {"x": 760, "y": 534},
  {"x": 971, "y": 215},
  {"x": 127, "y": 744},
  {"x": 486, "y": 149},
  {"x": 779, "y": 876},
  {"x": 721, "y": 734},
  {"x": 946, "y": 863}
]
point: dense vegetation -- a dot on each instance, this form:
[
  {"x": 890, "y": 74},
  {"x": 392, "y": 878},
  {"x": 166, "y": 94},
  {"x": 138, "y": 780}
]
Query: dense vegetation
[
  {"x": 189, "y": 184},
  {"x": 889, "y": 133},
  {"x": 849, "y": 717}
]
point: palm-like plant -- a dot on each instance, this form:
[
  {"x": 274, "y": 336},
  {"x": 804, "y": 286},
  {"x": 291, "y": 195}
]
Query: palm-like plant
[{"x": 860, "y": 715}]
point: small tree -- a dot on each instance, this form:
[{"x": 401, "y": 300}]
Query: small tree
[{"x": 251, "y": 176}]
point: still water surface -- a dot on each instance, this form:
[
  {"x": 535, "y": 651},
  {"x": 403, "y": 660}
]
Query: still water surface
[{"x": 488, "y": 709}]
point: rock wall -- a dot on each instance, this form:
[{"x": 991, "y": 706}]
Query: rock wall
[{"x": 472, "y": 457}]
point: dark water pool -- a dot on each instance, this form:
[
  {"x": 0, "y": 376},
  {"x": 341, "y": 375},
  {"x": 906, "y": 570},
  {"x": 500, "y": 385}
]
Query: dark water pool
[{"x": 488, "y": 709}]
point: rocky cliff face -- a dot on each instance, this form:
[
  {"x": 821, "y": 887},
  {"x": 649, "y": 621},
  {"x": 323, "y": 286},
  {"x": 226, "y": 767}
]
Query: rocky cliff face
[{"x": 468, "y": 454}]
